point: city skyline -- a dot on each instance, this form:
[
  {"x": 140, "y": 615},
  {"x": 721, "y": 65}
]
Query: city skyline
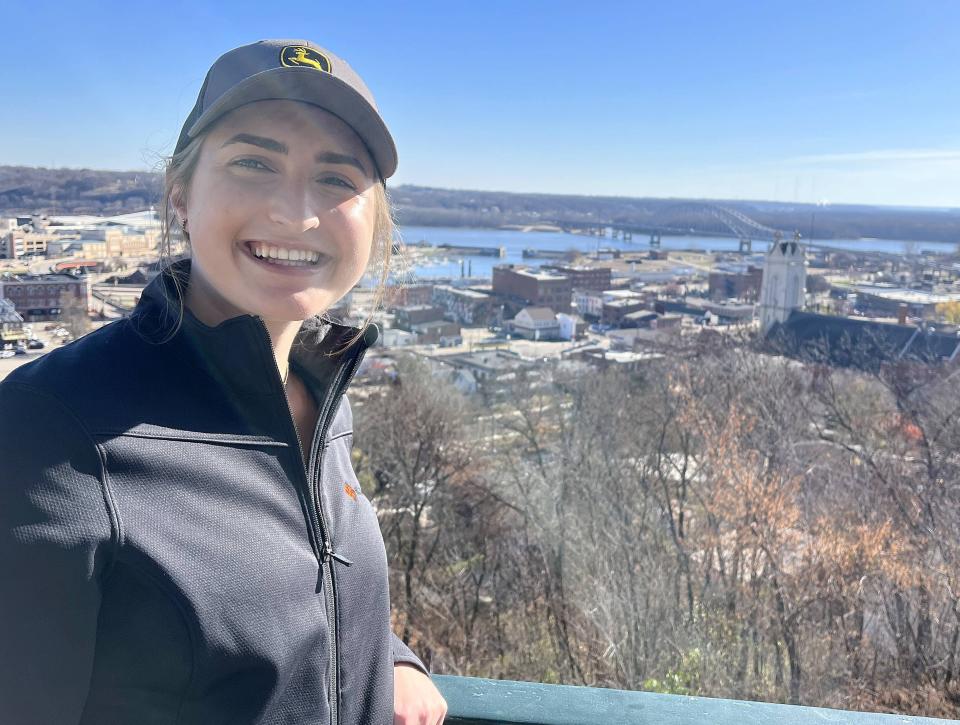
[{"x": 821, "y": 103}]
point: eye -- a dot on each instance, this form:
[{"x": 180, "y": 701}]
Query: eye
[
  {"x": 338, "y": 181},
  {"x": 251, "y": 164}
]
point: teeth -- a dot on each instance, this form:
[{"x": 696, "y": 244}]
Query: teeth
[{"x": 285, "y": 256}]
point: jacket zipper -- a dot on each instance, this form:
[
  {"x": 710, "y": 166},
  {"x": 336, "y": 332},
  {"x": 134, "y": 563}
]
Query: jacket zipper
[
  {"x": 323, "y": 547},
  {"x": 316, "y": 454}
]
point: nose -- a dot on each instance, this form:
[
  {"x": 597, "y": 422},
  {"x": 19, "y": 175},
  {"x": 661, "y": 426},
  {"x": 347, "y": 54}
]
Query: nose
[{"x": 290, "y": 206}]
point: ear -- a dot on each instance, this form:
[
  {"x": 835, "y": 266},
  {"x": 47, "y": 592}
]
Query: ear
[{"x": 179, "y": 202}]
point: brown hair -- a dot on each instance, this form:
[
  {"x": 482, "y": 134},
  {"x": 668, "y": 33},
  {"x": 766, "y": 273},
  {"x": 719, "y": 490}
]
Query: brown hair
[{"x": 177, "y": 176}]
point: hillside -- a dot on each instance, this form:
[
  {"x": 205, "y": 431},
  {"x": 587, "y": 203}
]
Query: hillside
[{"x": 25, "y": 190}]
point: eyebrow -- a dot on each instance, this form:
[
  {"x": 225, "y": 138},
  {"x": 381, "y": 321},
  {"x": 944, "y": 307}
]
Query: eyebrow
[
  {"x": 332, "y": 157},
  {"x": 265, "y": 143},
  {"x": 328, "y": 157}
]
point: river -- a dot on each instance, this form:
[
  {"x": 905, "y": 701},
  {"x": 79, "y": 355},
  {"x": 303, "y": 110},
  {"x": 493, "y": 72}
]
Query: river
[{"x": 514, "y": 242}]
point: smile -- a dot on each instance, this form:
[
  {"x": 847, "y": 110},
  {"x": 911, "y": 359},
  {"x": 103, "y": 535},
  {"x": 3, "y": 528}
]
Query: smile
[{"x": 285, "y": 256}]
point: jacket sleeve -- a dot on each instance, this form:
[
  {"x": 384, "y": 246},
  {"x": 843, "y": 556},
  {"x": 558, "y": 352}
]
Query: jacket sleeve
[
  {"x": 403, "y": 654},
  {"x": 55, "y": 533}
]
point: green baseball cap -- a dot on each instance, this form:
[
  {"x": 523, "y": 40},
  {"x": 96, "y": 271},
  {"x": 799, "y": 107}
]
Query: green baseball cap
[{"x": 295, "y": 70}]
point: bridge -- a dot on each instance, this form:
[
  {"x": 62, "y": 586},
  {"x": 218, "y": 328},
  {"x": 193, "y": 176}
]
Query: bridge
[{"x": 680, "y": 219}]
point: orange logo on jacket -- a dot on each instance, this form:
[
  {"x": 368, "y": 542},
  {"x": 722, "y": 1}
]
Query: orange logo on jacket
[{"x": 350, "y": 491}]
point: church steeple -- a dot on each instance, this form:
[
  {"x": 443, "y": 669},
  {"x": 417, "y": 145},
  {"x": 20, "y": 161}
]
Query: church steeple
[{"x": 783, "y": 287}]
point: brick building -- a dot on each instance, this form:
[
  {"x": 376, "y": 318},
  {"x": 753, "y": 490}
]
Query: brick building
[
  {"x": 532, "y": 288},
  {"x": 466, "y": 306},
  {"x": 615, "y": 311},
  {"x": 736, "y": 285},
  {"x": 38, "y": 297},
  {"x": 411, "y": 294},
  {"x": 407, "y": 317},
  {"x": 581, "y": 277}
]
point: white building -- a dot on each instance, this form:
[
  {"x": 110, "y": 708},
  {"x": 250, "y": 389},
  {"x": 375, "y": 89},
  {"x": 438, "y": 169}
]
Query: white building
[
  {"x": 568, "y": 325},
  {"x": 536, "y": 323},
  {"x": 783, "y": 288}
]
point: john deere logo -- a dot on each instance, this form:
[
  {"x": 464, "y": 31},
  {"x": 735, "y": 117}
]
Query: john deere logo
[{"x": 299, "y": 56}]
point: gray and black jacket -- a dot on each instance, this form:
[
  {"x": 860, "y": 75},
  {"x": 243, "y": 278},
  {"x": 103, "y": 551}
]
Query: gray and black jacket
[{"x": 166, "y": 555}]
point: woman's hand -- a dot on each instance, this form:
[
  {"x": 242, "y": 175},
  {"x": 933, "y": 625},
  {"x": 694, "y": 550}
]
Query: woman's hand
[{"x": 416, "y": 701}]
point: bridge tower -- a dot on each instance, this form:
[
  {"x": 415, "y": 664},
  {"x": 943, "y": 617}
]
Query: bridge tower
[
  {"x": 783, "y": 287},
  {"x": 746, "y": 245},
  {"x": 654, "y": 241}
]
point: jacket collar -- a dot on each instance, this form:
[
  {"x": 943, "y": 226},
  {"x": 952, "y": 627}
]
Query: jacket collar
[{"x": 237, "y": 352}]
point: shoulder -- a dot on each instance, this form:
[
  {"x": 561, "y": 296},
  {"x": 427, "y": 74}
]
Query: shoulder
[
  {"x": 78, "y": 374},
  {"x": 54, "y": 486}
]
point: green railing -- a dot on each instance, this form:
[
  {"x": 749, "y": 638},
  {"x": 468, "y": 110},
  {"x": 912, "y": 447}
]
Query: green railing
[{"x": 475, "y": 701}]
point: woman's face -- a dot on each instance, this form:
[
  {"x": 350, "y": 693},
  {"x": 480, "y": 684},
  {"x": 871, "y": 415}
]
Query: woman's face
[{"x": 280, "y": 212}]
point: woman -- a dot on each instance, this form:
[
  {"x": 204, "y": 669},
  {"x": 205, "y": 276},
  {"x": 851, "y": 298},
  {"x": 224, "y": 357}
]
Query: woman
[{"x": 183, "y": 537}]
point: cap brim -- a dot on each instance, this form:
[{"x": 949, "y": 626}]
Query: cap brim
[{"x": 317, "y": 88}]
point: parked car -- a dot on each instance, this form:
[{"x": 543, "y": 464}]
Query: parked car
[
  {"x": 7, "y": 353},
  {"x": 35, "y": 344}
]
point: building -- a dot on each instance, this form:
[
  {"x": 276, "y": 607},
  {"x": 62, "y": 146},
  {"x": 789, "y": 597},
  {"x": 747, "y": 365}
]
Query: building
[
  {"x": 860, "y": 343},
  {"x": 888, "y": 300},
  {"x": 413, "y": 294},
  {"x": 571, "y": 326},
  {"x": 582, "y": 277},
  {"x": 466, "y": 306},
  {"x": 406, "y": 317},
  {"x": 38, "y": 297},
  {"x": 730, "y": 312},
  {"x": 536, "y": 323},
  {"x": 392, "y": 337},
  {"x": 783, "y": 289},
  {"x": 19, "y": 243},
  {"x": 589, "y": 303},
  {"x": 11, "y": 326},
  {"x": 437, "y": 332},
  {"x": 724, "y": 285},
  {"x": 619, "y": 303},
  {"x": 528, "y": 287},
  {"x": 122, "y": 243},
  {"x": 490, "y": 373}
]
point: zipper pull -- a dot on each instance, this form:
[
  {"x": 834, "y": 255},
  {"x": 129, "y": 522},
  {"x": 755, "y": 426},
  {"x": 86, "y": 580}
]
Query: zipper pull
[{"x": 328, "y": 552}]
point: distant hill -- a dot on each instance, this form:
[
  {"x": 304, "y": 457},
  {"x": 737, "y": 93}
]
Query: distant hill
[
  {"x": 26, "y": 189},
  {"x": 29, "y": 189}
]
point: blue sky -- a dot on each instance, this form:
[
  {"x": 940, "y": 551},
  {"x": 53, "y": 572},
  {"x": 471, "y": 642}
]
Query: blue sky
[{"x": 798, "y": 101}]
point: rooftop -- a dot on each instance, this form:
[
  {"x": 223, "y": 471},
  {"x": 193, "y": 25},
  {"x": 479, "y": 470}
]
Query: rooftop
[
  {"x": 860, "y": 343},
  {"x": 903, "y": 294},
  {"x": 541, "y": 314}
]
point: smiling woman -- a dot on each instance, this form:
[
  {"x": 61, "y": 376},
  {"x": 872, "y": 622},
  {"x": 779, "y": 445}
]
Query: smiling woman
[
  {"x": 345, "y": 184},
  {"x": 184, "y": 480},
  {"x": 274, "y": 181}
]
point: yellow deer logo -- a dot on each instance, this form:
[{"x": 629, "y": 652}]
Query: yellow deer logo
[{"x": 298, "y": 55}]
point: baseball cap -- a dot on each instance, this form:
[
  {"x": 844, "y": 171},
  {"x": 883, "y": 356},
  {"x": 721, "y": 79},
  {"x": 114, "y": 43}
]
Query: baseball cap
[{"x": 295, "y": 70}]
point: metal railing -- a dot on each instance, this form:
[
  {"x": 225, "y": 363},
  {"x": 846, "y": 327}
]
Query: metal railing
[{"x": 476, "y": 701}]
